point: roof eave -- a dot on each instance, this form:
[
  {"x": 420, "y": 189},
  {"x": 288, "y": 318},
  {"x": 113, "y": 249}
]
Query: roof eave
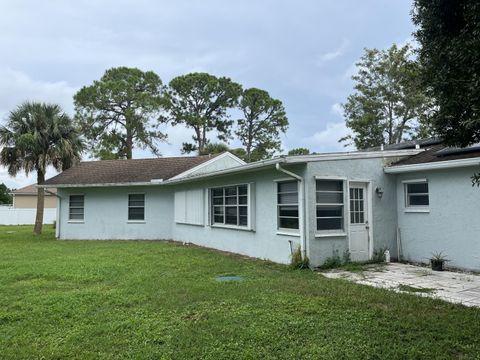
[
  {"x": 143, "y": 183},
  {"x": 438, "y": 165}
]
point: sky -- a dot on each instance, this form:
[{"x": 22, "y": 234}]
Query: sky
[{"x": 302, "y": 52}]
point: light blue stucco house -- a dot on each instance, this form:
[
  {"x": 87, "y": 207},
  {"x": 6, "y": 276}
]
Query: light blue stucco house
[{"x": 412, "y": 199}]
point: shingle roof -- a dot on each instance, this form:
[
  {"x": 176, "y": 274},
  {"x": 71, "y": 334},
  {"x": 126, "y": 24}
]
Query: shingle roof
[
  {"x": 126, "y": 171},
  {"x": 439, "y": 152},
  {"x": 30, "y": 190}
]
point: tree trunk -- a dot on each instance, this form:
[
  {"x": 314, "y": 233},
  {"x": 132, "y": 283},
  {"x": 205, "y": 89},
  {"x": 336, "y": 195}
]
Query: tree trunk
[
  {"x": 37, "y": 230},
  {"x": 129, "y": 149}
]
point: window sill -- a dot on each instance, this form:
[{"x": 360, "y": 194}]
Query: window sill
[
  {"x": 288, "y": 233},
  {"x": 76, "y": 221},
  {"x": 232, "y": 227},
  {"x": 136, "y": 222},
  {"x": 412, "y": 210},
  {"x": 333, "y": 234}
]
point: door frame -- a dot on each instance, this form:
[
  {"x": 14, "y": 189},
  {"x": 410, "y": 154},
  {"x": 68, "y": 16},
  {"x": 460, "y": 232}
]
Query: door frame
[{"x": 369, "y": 199}]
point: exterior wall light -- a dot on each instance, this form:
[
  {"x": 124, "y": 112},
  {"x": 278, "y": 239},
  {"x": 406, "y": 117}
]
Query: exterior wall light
[{"x": 379, "y": 192}]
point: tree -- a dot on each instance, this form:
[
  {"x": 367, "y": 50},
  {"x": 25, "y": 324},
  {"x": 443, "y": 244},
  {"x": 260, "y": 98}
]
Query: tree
[
  {"x": 263, "y": 120},
  {"x": 38, "y": 135},
  {"x": 120, "y": 111},
  {"x": 214, "y": 148},
  {"x": 449, "y": 37},
  {"x": 218, "y": 148},
  {"x": 200, "y": 101},
  {"x": 299, "y": 151},
  {"x": 5, "y": 197},
  {"x": 389, "y": 104}
]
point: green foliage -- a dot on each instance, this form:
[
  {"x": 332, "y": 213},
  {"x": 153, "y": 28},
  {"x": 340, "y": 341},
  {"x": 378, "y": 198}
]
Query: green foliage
[
  {"x": 299, "y": 151},
  {"x": 439, "y": 256},
  {"x": 264, "y": 118},
  {"x": 36, "y": 136},
  {"x": 298, "y": 261},
  {"x": 158, "y": 300},
  {"x": 5, "y": 197},
  {"x": 200, "y": 101},
  {"x": 332, "y": 262},
  {"x": 378, "y": 255},
  {"x": 449, "y": 36},
  {"x": 389, "y": 104},
  {"x": 214, "y": 148},
  {"x": 120, "y": 111}
]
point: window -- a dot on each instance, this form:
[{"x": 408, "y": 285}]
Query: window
[
  {"x": 229, "y": 205},
  {"x": 136, "y": 207},
  {"x": 357, "y": 211},
  {"x": 416, "y": 194},
  {"x": 76, "y": 207},
  {"x": 329, "y": 204},
  {"x": 287, "y": 204}
]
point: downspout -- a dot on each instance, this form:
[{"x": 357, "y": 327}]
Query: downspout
[{"x": 301, "y": 206}]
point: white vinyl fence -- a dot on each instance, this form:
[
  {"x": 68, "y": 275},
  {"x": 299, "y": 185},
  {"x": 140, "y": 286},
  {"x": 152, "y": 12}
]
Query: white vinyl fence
[{"x": 12, "y": 216}]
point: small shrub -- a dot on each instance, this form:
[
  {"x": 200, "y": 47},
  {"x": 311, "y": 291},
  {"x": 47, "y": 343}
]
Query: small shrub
[
  {"x": 54, "y": 224},
  {"x": 299, "y": 262},
  {"x": 378, "y": 255},
  {"x": 333, "y": 261},
  {"x": 346, "y": 256}
]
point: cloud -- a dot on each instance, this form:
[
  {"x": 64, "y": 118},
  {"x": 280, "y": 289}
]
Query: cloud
[
  {"x": 21, "y": 179},
  {"x": 17, "y": 87},
  {"x": 327, "y": 139},
  {"x": 337, "y": 109},
  {"x": 332, "y": 55}
]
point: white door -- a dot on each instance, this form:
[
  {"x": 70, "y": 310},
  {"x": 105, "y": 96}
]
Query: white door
[{"x": 358, "y": 216}]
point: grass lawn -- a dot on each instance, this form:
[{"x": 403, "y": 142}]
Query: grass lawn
[{"x": 151, "y": 300}]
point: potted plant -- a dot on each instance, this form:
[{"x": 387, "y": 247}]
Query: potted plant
[{"x": 437, "y": 260}]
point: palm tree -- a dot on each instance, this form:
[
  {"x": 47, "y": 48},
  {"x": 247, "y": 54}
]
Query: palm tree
[{"x": 38, "y": 135}]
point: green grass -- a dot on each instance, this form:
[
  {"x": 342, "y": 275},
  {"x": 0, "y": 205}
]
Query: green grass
[
  {"x": 155, "y": 300},
  {"x": 413, "y": 289}
]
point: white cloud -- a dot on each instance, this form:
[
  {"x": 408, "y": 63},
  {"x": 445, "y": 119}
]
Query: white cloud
[
  {"x": 337, "y": 109},
  {"x": 327, "y": 139},
  {"x": 21, "y": 179},
  {"x": 17, "y": 87},
  {"x": 332, "y": 55}
]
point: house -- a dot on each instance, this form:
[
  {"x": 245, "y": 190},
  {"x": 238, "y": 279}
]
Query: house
[
  {"x": 26, "y": 198},
  {"x": 413, "y": 199}
]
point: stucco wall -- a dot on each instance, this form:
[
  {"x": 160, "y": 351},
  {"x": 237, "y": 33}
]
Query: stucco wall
[
  {"x": 451, "y": 226},
  {"x": 30, "y": 202},
  {"x": 383, "y": 210},
  {"x": 106, "y": 214},
  {"x": 263, "y": 242},
  {"x": 106, "y": 217}
]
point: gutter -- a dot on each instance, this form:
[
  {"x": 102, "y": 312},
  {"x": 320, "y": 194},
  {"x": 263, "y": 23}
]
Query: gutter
[
  {"x": 447, "y": 164},
  {"x": 301, "y": 208}
]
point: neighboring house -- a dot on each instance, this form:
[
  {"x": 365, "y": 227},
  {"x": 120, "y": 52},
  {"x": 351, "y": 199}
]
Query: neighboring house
[
  {"x": 26, "y": 198},
  {"x": 406, "y": 198}
]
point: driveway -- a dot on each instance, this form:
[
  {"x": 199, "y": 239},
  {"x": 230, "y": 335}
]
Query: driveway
[{"x": 450, "y": 286}]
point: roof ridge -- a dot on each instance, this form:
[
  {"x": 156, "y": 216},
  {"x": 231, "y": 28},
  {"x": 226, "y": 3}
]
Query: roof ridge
[{"x": 151, "y": 159}]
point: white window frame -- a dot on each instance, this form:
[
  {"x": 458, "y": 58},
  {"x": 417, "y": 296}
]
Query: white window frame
[
  {"x": 144, "y": 208},
  {"x": 70, "y": 220},
  {"x": 415, "y": 208},
  {"x": 249, "y": 226},
  {"x": 328, "y": 232},
  {"x": 297, "y": 204}
]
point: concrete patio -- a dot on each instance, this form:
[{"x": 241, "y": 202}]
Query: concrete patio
[{"x": 450, "y": 286}]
